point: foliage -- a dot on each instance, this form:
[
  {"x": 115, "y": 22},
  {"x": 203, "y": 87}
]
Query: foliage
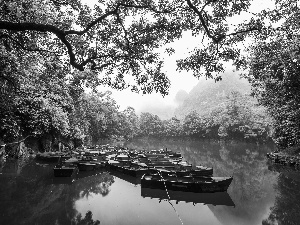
[
  {"x": 150, "y": 125},
  {"x": 172, "y": 127},
  {"x": 192, "y": 124},
  {"x": 129, "y": 123},
  {"x": 274, "y": 74},
  {"x": 96, "y": 115},
  {"x": 238, "y": 117},
  {"x": 115, "y": 41},
  {"x": 40, "y": 101}
]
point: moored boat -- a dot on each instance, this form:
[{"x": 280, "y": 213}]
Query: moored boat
[
  {"x": 203, "y": 171},
  {"x": 64, "y": 170},
  {"x": 187, "y": 183},
  {"x": 86, "y": 166}
]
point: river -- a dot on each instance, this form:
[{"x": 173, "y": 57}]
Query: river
[{"x": 260, "y": 193}]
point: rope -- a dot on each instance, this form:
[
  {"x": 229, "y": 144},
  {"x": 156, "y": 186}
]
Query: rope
[{"x": 169, "y": 199}]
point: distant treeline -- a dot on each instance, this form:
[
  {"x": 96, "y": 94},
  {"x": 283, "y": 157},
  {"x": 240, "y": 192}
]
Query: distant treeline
[{"x": 238, "y": 117}]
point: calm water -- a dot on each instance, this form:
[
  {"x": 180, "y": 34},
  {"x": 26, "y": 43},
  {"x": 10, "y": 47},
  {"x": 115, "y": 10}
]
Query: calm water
[{"x": 259, "y": 193}]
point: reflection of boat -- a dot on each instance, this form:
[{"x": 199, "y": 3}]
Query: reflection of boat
[
  {"x": 216, "y": 198},
  {"x": 126, "y": 177},
  {"x": 62, "y": 180},
  {"x": 188, "y": 183},
  {"x": 88, "y": 174}
]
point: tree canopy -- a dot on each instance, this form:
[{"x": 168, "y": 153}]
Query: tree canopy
[{"x": 116, "y": 42}]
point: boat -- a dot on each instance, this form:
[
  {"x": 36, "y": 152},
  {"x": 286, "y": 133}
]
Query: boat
[
  {"x": 132, "y": 169},
  {"x": 214, "y": 198},
  {"x": 199, "y": 171},
  {"x": 86, "y": 166},
  {"x": 197, "y": 184},
  {"x": 61, "y": 170}
]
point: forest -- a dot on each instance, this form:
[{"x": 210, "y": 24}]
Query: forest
[{"x": 53, "y": 51}]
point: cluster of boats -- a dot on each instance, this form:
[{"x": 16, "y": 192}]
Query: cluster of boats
[{"x": 155, "y": 169}]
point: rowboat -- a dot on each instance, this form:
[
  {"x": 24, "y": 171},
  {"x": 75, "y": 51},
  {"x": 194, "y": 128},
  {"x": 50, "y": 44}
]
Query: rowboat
[
  {"x": 64, "y": 171},
  {"x": 199, "y": 171},
  {"x": 197, "y": 184}
]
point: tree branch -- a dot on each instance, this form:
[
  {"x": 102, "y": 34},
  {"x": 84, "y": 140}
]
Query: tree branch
[
  {"x": 62, "y": 34},
  {"x": 208, "y": 33}
]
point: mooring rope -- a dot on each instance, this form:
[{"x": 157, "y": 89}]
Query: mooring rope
[{"x": 169, "y": 199}]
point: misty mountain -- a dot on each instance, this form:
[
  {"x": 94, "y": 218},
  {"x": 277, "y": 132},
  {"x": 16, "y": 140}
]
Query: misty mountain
[
  {"x": 208, "y": 94},
  {"x": 181, "y": 96}
]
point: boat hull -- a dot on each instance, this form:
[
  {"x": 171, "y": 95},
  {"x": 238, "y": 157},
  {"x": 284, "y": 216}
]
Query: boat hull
[
  {"x": 189, "y": 184},
  {"x": 86, "y": 166},
  {"x": 64, "y": 171}
]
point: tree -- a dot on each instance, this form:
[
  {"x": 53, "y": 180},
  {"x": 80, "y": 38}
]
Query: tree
[
  {"x": 276, "y": 84},
  {"x": 274, "y": 72},
  {"x": 172, "y": 127},
  {"x": 116, "y": 39},
  {"x": 129, "y": 123},
  {"x": 150, "y": 125},
  {"x": 37, "y": 97},
  {"x": 192, "y": 124},
  {"x": 101, "y": 113},
  {"x": 241, "y": 117}
]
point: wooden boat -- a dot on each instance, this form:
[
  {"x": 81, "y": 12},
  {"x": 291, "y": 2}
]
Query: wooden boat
[
  {"x": 215, "y": 198},
  {"x": 203, "y": 171},
  {"x": 61, "y": 170},
  {"x": 187, "y": 183},
  {"x": 86, "y": 166},
  {"x": 131, "y": 169}
]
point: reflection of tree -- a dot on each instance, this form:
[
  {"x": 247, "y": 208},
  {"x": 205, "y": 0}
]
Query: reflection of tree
[
  {"x": 286, "y": 209},
  {"x": 96, "y": 184},
  {"x": 87, "y": 220},
  {"x": 30, "y": 197}
]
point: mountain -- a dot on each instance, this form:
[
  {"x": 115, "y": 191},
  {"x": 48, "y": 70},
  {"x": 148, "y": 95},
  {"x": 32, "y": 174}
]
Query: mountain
[{"x": 208, "y": 94}]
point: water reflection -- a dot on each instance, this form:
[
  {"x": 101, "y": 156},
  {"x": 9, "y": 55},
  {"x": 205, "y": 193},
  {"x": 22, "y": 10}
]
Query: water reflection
[
  {"x": 286, "y": 209},
  {"x": 89, "y": 183},
  {"x": 87, "y": 220},
  {"x": 31, "y": 195},
  {"x": 262, "y": 193},
  {"x": 218, "y": 198},
  {"x": 252, "y": 188}
]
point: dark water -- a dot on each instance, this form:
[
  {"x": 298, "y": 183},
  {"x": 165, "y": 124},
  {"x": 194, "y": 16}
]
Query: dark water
[{"x": 259, "y": 194}]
